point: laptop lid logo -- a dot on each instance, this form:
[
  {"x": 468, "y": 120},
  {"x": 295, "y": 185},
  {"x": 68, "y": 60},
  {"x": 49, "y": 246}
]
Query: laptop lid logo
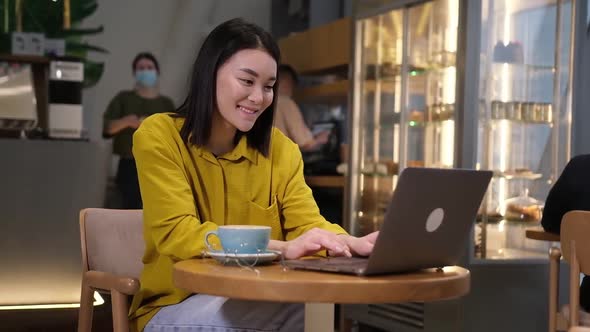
[{"x": 434, "y": 220}]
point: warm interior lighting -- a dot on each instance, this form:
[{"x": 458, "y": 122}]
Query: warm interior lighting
[
  {"x": 507, "y": 23},
  {"x": 503, "y": 146},
  {"x": 424, "y": 19},
  {"x": 98, "y": 300},
  {"x": 451, "y": 30},
  {"x": 449, "y": 79},
  {"x": 447, "y": 143}
]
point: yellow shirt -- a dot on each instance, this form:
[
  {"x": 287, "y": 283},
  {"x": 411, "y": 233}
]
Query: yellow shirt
[{"x": 187, "y": 191}]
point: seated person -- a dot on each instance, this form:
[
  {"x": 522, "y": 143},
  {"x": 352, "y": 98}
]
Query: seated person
[
  {"x": 288, "y": 117},
  {"x": 218, "y": 161},
  {"x": 570, "y": 192}
]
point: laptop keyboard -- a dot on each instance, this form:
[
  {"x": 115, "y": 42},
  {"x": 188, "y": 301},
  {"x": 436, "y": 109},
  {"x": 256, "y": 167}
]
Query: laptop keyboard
[
  {"x": 352, "y": 265},
  {"x": 345, "y": 261}
]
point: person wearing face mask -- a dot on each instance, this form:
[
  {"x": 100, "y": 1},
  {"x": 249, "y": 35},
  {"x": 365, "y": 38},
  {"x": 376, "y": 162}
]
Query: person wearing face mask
[{"x": 123, "y": 116}]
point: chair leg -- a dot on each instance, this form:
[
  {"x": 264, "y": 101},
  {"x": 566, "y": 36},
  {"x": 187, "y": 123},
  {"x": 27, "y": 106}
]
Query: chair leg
[
  {"x": 554, "y": 257},
  {"x": 345, "y": 324},
  {"x": 574, "y": 285},
  {"x": 120, "y": 311},
  {"x": 86, "y": 308}
]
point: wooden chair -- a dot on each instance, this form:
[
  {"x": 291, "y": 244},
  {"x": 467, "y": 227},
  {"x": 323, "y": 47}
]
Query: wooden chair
[
  {"x": 579, "y": 329},
  {"x": 112, "y": 249},
  {"x": 575, "y": 229},
  {"x": 556, "y": 321}
]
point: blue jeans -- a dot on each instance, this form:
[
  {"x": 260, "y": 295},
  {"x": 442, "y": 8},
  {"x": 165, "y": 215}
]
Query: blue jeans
[{"x": 206, "y": 313}]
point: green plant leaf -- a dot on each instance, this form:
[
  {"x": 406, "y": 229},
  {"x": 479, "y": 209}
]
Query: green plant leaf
[
  {"x": 82, "y": 48},
  {"x": 77, "y": 32},
  {"x": 83, "y": 13},
  {"x": 46, "y": 17},
  {"x": 81, "y": 9},
  {"x": 92, "y": 72}
]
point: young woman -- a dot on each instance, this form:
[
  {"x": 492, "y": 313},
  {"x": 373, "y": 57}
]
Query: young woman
[
  {"x": 218, "y": 161},
  {"x": 123, "y": 116}
]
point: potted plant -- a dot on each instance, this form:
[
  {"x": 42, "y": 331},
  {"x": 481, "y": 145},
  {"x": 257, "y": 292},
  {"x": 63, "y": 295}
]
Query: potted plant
[{"x": 56, "y": 19}]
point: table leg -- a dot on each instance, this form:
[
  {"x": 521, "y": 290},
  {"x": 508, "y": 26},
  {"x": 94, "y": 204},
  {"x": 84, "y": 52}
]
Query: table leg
[{"x": 319, "y": 317}]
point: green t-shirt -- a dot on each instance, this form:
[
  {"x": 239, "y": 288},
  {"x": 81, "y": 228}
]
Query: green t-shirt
[{"x": 126, "y": 103}]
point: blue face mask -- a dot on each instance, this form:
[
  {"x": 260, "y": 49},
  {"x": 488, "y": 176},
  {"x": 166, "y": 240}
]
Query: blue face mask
[{"x": 147, "y": 78}]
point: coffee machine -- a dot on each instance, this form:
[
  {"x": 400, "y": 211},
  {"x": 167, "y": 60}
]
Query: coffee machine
[{"x": 65, "y": 117}]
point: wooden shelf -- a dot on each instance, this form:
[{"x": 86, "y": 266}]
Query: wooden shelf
[
  {"x": 319, "y": 48},
  {"x": 332, "y": 93},
  {"x": 326, "y": 181},
  {"x": 337, "y": 92},
  {"x": 24, "y": 58}
]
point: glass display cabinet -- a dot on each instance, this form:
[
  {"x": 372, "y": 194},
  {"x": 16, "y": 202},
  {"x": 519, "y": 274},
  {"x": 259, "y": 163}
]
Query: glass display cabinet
[
  {"x": 405, "y": 110},
  {"x": 525, "y": 96},
  {"x": 480, "y": 84},
  {"x": 404, "y": 77},
  {"x": 403, "y": 114}
]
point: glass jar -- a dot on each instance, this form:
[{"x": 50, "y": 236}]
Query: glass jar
[{"x": 522, "y": 208}]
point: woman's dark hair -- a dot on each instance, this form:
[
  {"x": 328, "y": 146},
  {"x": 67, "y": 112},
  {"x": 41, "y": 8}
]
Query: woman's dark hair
[
  {"x": 285, "y": 68},
  {"x": 145, "y": 55},
  {"x": 222, "y": 43}
]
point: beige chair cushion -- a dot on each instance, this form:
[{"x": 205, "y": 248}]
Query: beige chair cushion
[
  {"x": 114, "y": 241},
  {"x": 583, "y": 316},
  {"x": 579, "y": 329}
]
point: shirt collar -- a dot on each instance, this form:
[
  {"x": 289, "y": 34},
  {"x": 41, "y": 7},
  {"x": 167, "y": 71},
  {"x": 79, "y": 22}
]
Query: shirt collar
[{"x": 242, "y": 149}]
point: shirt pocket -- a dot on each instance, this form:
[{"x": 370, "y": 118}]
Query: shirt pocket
[{"x": 266, "y": 216}]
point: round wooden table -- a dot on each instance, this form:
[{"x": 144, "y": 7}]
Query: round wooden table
[
  {"x": 318, "y": 290},
  {"x": 538, "y": 233}
]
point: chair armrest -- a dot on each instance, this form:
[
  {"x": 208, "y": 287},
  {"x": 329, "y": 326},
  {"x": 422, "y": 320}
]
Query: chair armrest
[
  {"x": 541, "y": 235},
  {"x": 579, "y": 329},
  {"x": 108, "y": 281}
]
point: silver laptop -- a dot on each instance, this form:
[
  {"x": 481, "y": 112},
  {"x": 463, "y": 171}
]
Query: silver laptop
[{"x": 426, "y": 225}]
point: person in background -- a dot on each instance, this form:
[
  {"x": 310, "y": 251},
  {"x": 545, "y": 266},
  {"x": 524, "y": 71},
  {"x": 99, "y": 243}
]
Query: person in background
[
  {"x": 123, "y": 116},
  {"x": 570, "y": 192},
  {"x": 289, "y": 119},
  {"x": 218, "y": 161}
]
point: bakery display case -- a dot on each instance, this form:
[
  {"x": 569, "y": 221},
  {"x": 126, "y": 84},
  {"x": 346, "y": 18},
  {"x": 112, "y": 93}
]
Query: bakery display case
[
  {"x": 478, "y": 84},
  {"x": 406, "y": 109},
  {"x": 403, "y": 114},
  {"x": 524, "y": 119},
  {"x": 404, "y": 98}
]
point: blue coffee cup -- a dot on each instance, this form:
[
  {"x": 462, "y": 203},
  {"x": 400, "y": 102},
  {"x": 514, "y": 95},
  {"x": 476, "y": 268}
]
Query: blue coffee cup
[{"x": 240, "y": 239}]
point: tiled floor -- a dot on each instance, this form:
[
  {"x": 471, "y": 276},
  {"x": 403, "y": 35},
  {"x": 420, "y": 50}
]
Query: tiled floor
[
  {"x": 58, "y": 320},
  {"x": 65, "y": 320}
]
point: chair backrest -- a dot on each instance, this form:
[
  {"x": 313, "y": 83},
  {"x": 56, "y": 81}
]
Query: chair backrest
[
  {"x": 112, "y": 241},
  {"x": 575, "y": 231}
]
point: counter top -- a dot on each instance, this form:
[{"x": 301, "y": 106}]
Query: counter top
[{"x": 327, "y": 181}]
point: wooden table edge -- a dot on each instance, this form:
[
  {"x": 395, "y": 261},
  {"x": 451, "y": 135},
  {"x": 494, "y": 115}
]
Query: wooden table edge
[
  {"x": 541, "y": 235},
  {"x": 335, "y": 288}
]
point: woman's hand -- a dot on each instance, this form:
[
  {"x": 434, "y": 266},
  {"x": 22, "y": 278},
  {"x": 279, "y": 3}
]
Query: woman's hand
[
  {"x": 311, "y": 242},
  {"x": 360, "y": 246},
  {"x": 318, "y": 239}
]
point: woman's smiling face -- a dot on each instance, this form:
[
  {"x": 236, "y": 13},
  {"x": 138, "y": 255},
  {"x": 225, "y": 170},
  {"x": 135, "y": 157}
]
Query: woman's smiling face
[{"x": 245, "y": 87}]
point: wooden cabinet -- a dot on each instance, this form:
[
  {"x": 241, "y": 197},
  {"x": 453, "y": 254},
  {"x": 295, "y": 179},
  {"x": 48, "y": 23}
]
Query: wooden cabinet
[
  {"x": 319, "y": 50},
  {"x": 324, "y": 53},
  {"x": 327, "y": 93}
]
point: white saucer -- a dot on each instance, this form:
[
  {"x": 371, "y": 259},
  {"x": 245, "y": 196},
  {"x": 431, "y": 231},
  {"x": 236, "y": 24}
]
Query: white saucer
[{"x": 244, "y": 259}]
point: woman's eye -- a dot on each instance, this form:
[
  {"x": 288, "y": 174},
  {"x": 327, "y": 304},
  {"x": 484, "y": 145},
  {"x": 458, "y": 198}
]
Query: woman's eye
[
  {"x": 268, "y": 88},
  {"x": 247, "y": 81}
]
